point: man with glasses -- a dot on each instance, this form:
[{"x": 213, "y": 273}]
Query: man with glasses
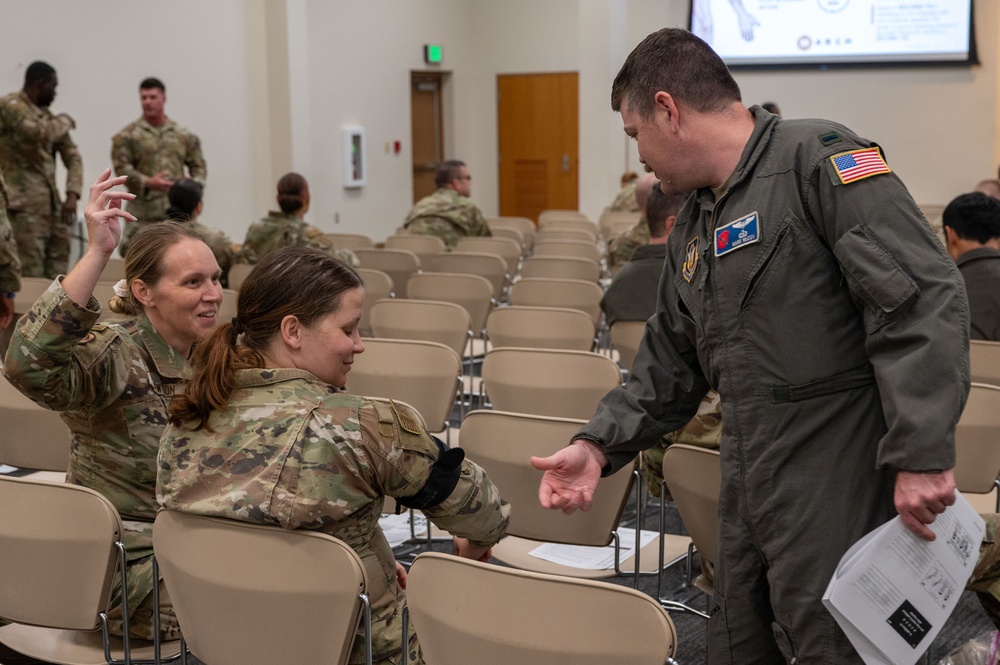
[{"x": 448, "y": 213}]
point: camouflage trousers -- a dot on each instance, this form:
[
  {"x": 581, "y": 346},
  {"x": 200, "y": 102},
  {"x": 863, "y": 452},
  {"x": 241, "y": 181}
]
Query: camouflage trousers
[
  {"x": 42, "y": 243},
  {"x": 140, "y": 604}
]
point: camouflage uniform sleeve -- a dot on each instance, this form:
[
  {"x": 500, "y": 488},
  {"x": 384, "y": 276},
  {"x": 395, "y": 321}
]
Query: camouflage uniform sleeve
[
  {"x": 315, "y": 238},
  {"x": 10, "y": 262},
  {"x": 403, "y": 453},
  {"x": 195, "y": 160},
  {"x": 16, "y": 113},
  {"x": 60, "y": 359},
  {"x": 70, "y": 155},
  {"x": 123, "y": 159}
]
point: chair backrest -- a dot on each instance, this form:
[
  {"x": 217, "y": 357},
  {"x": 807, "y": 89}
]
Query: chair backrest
[
  {"x": 424, "y": 246},
  {"x": 984, "y": 361},
  {"x": 512, "y": 233},
  {"x": 57, "y": 545},
  {"x": 237, "y": 274},
  {"x": 32, "y": 436},
  {"x": 298, "y": 590},
  {"x": 467, "y": 612},
  {"x": 378, "y": 285},
  {"x": 503, "y": 444},
  {"x": 113, "y": 271},
  {"x": 32, "y": 289},
  {"x": 561, "y": 267},
  {"x": 625, "y": 338},
  {"x": 491, "y": 266},
  {"x": 352, "y": 241},
  {"x": 507, "y": 249},
  {"x": 540, "y": 328},
  {"x": 572, "y": 293},
  {"x": 556, "y": 234},
  {"x": 522, "y": 224},
  {"x": 977, "y": 440},
  {"x": 428, "y": 320},
  {"x": 422, "y": 374},
  {"x": 584, "y": 225},
  {"x": 473, "y": 292},
  {"x": 694, "y": 477},
  {"x": 546, "y": 217},
  {"x": 397, "y": 263},
  {"x": 612, "y": 223},
  {"x": 548, "y": 382},
  {"x": 579, "y": 248}
]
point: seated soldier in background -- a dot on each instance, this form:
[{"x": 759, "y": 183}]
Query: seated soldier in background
[
  {"x": 448, "y": 213},
  {"x": 186, "y": 205},
  {"x": 622, "y": 246},
  {"x": 972, "y": 238},
  {"x": 625, "y": 198}
]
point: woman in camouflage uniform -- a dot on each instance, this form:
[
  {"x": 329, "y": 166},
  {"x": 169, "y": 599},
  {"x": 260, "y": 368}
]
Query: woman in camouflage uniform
[
  {"x": 264, "y": 434},
  {"x": 112, "y": 382}
]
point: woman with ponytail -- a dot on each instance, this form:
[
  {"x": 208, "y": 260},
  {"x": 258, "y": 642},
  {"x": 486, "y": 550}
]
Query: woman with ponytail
[
  {"x": 112, "y": 382},
  {"x": 263, "y": 433}
]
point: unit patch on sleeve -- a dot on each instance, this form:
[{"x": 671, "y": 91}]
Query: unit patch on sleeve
[
  {"x": 859, "y": 164},
  {"x": 690, "y": 260},
  {"x": 740, "y": 233}
]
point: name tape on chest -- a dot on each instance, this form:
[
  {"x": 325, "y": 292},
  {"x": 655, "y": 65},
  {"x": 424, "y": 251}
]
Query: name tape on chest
[
  {"x": 859, "y": 164},
  {"x": 736, "y": 234}
]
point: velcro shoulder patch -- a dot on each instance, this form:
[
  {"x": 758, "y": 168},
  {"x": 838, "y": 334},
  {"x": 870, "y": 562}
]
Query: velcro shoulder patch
[{"x": 408, "y": 420}]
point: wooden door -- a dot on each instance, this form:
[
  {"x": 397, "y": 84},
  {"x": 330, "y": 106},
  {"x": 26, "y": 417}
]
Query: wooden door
[
  {"x": 538, "y": 127},
  {"x": 427, "y": 129}
]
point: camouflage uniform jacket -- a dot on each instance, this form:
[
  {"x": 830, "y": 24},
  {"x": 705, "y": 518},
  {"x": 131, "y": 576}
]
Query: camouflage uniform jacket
[
  {"x": 10, "y": 262},
  {"x": 111, "y": 383},
  {"x": 622, "y": 246},
  {"x": 222, "y": 247},
  {"x": 447, "y": 215},
  {"x": 282, "y": 229},
  {"x": 625, "y": 200},
  {"x": 140, "y": 151},
  {"x": 294, "y": 452},
  {"x": 30, "y": 136}
]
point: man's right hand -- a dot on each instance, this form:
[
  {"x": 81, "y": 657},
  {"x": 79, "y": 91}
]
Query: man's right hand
[
  {"x": 570, "y": 476},
  {"x": 160, "y": 182}
]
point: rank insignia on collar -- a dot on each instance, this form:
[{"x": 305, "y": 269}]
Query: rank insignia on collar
[
  {"x": 739, "y": 233},
  {"x": 690, "y": 260}
]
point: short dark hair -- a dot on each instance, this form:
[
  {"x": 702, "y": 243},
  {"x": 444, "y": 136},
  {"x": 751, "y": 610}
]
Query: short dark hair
[
  {"x": 659, "y": 207},
  {"x": 38, "y": 71},
  {"x": 447, "y": 171},
  {"x": 152, "y": 82},
  {"x": 184, "y": 196},
  {"x": 677, "y": 62},
  {"x": 974, "y": 216}
]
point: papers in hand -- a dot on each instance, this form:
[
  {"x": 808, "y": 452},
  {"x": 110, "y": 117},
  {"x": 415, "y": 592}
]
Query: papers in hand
[
  {"x": 593, "y": 558},
  {"x": 893, "y": 591}
]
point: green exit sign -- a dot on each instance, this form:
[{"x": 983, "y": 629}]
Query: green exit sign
[{"x": 433, "y": 54}]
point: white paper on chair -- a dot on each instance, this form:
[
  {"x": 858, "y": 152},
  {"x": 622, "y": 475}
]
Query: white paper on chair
[
  {"x": 593, "y": 558},
  {"x": 892, "y": 592},
  {"x": 7, "y": 469}
]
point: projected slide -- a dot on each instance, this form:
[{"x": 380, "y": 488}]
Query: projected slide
[{"x": 834, "y": 31}]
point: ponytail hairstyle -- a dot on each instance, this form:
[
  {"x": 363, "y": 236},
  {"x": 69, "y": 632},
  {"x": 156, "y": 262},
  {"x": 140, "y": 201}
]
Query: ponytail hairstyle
[
  {"x": 144, "y": 260},
  {"x": 292, "y": 191},
  {"x": 184, "y": 196},
  {"x": 291, "y": 281}
]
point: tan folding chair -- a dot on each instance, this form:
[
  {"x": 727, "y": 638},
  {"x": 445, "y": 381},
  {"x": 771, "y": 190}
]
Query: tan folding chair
[
  {"x": 237, "y": 274},
  {"x": 426, "y": 247},
  {"x": 507, "y": 249},
  {"x": 613, "y": 223},
  {"x": 583, "y": 225},
  {"x": 470, "y": 612},
  {"x": 561, "y": 267},
  {"x": 61, "y": 548},
  {"x": 399, "y": 264},
  {"x": 422, "y": 374},
  {"x": 378, "y": 285},
  {"x": 540, "y": 328},
  {"x": 578, "y": 248},
  {"x": 625, "y": 339},
  {"x": 548, "y": 382},
  {"x": 351, "y": 241},
  {"x": 572, "y": 293},
  {"x": 522, "y": 224},
  {"x": 503, "y": 444},
  {"x": 473, "y": 292},
  {"x": 510, "y": 233},
  {"x": 428, "y": 320},
  {"x": 299, "y": 593},
  {"x": 547, "y": 217},
  {"x": 491, "y": 266},
  {"x": 556, "y": 234},
  {"x": 984, "y": 361},
  {"x": 114, "y": 270},
  {"x": 32, "y": 436},
  {"x": 977, "y": 448},
  {"x": 694, "y": 477}
]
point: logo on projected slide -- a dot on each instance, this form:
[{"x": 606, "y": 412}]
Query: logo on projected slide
[{"x": 833, "y": 6}]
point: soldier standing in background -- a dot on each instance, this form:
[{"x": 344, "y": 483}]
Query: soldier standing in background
[
  {"x": 30, "y": 137},
  {"x": 10, "y": 268},
  {"x": 152, "y": 152},
  {"x": 448, "y": 213}
]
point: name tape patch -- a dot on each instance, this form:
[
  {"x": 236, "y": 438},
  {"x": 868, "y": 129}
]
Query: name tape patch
[{"x": 736, "y": 234}]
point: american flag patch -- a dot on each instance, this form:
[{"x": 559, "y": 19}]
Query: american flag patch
[{"x": 859, "y": 164}]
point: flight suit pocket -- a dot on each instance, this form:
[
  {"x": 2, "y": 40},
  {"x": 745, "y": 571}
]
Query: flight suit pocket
[{"x": 874, "y": 276}]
